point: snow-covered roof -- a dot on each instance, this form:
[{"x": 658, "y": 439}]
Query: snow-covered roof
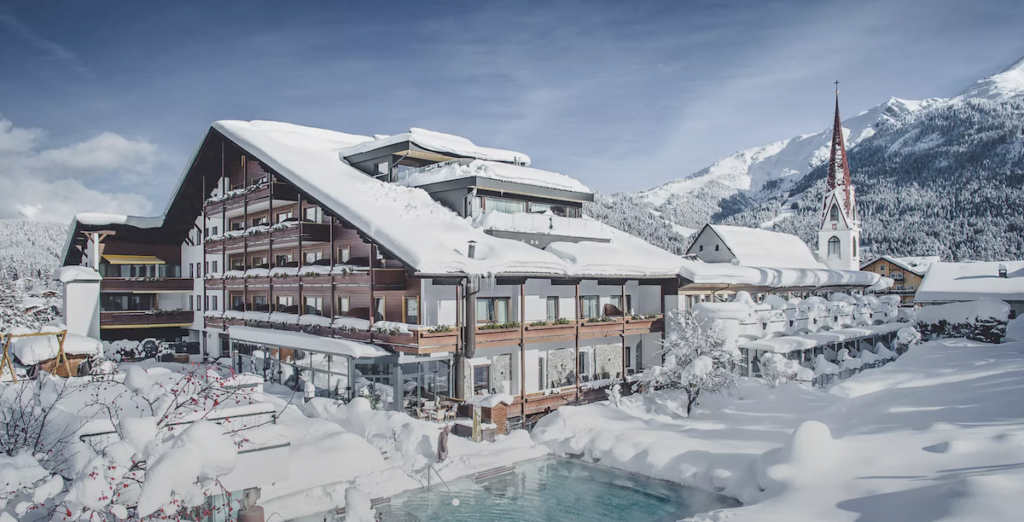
[
  {"x": 438, "y": 142},
  {"x": 103, "y": 219},
  {"x": 808, "y": 341},
  {"x": 424, "y": 234},
  {"x": 765, "y": 248},
  {"x": 67, "y": 274},
  {"x": 492, "y": 170},
  {"x": 918, "y": 265},
  {"x": 972, "y": 280},
  {"x": 304, "y": 341},
  {"x": 724, "y": 273}
]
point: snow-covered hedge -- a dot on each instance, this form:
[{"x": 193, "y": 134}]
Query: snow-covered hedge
[{"x": 982, "y": 320}]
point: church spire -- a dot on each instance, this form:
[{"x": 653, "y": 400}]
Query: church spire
[{"x": 838, "y": 166}]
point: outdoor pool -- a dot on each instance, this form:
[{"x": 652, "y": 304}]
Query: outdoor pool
[{"x": 554, "y": 490}]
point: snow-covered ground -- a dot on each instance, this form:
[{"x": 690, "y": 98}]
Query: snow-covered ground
[{"x": 936, "y": 435}]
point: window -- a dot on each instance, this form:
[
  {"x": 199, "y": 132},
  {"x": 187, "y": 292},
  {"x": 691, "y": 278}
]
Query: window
[
  {"x": 123, "y": 302},
  {"x": 238, "y": 264},
  {"x": 214, "y": 303},
  {"x": 542, "y": 374},
  {"x": 854, "y": 247},
  {"x": 314, "y": 305},
  {"x": 382, "y": 170},
  {"x": 191, "y": 270},
  {"x": 629, "y": 357},
  {"x": 199, "y": 304},
  {"x": 215, "y": 230},
  {"x": 237, "y": 302},
  {"x": 552, "y": 309},
  {"x": 834, "y": 213},
  {"x": 262, "y": 220},
  {"x": 282, "y": 259},
  {"x": 539, "y": 208},
  {"x": 206, "y": 267},
  {"x": 639, "y": 355},
  {"x": 206, "y": 302},
  {"x": 492, "y": 310},
  {"x": 237, "y": 225},
  {"x": 507, "y": 206},
  {"x": 283, "y": 301},
  {"x": 343, "y": 305},
  {"x": 590, "y": 306},
  {"x": 344, "y": 254},
  {"x": 411, "y": 310},
  {"x": 313, "y": 215},
  {"x": 259, "y": 302},
  {"x": 700, "y": 248},
  {"x": 833, "y": 248},
  {"x": 312, "y": 256},
  {"x": 583, "y": 364},
  {"x": 215, "y": 267},
  {"x": 481, "y": 379},
  {"x": 881, "y": 268},
  {"x": 259, "y": 261},
  {"x": 282, "y": 216},
  {"x": 206, "y": 231},
  {"x": 716, "y": 247},
  {"x": 191, "y": 302},
  {"x": 378, "y": 306}
]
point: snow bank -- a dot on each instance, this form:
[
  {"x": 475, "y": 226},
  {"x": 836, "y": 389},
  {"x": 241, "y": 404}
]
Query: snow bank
[{"x": 491, "y": 170}]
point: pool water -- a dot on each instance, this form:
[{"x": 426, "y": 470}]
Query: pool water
[{"x": 554, "y": 490}]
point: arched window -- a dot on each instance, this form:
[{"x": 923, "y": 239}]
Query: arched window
[
  {"x": 834, "y": 213},
  {"x": 855, "y": 247},
  {"x": 833, "y": 248}
]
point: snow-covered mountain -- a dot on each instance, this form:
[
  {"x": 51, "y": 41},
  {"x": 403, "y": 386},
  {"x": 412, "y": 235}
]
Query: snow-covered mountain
[
  {"x": 784, "y": 162},
  {"x": 933, "y": 177}
]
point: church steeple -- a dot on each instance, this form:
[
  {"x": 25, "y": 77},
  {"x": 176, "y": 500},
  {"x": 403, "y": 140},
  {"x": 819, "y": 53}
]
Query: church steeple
[
  {"x": 839, "y": 235},
  {"x": 839, "y": 167}
]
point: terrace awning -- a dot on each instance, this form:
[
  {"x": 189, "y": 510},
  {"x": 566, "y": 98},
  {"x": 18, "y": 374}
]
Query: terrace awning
[
  {"x": 305, "y": 341},
  {"x": 116, "y": 259}
]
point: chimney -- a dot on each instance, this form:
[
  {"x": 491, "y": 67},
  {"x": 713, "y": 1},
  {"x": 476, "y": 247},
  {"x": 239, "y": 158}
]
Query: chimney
[
  {"x": 1002, "y": 270},
  {"x": 471, "y": 252}
]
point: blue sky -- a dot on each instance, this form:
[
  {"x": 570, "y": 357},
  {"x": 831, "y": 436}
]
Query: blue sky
[{"x": 622, "y": 95}]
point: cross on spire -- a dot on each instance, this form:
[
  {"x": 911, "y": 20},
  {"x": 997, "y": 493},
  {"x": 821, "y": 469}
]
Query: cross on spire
[{"x": 837, "y": 87}]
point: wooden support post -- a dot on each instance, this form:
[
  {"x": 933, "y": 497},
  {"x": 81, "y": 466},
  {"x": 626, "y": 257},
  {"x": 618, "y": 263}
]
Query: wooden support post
[
  {"x": 373, "y": 303},
  {"x": 577, "y": 350},
  {"x": 334, "y": 299},
  {"x": 522, "y": 350},
  {"x": 61, "y": 355},
  {"x": 623, "y": 335},
  {"x": 6, "y": 361},
  {"x": 302, "y": 256},
  {"x": 223, "y": 230},
  {"x": 245, "y": 240},
  {"x": 270, "y": 245}
]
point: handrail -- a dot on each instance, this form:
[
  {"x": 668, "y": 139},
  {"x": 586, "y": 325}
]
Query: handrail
[{"x": 430, "y": 467}]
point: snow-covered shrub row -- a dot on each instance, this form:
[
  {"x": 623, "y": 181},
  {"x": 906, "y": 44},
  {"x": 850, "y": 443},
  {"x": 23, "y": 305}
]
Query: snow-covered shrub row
[
  {"x": 981, "y": 320},
  {"x": 82, "y": 449}
]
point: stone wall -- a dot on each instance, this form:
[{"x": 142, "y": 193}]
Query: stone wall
[
  {"x": 607, "y": 359},
  {"x": 501, "y": 374},
  {"x": 561, "y": 367}
]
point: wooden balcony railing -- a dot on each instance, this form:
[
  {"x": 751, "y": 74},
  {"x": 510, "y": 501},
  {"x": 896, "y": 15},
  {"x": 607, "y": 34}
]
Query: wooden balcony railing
[
  {"x": 282, "y": 191},
  {"x": 168, "y": 284},
  {"x": 143, "y": 319}
]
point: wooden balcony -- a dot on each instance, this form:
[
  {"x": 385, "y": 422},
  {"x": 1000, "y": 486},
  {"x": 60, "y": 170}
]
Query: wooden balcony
[
  {"x": 282, "y": 192},
  {"x": 497, "y": 336},
  {"x": 384, "y": 279},
  {"x": 145, "y": 319},
  {"x": 139, "y": 284},
  {"x": 645, "y": 325},
  {"x": 594, "y": 329},
  {"x": 550, "y": 332}
]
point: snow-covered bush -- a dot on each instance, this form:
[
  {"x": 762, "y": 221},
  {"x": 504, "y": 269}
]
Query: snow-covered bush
[
  {"x": 776, "y": 370},
  {"x": 982, "y": 320},
  {"x": 113, "y": 450},
  {"x": 697, "y": 359},
  {"x": 906, "y": 338}
]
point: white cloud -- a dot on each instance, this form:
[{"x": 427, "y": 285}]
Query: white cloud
[{"x": 48, "y": 184}]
